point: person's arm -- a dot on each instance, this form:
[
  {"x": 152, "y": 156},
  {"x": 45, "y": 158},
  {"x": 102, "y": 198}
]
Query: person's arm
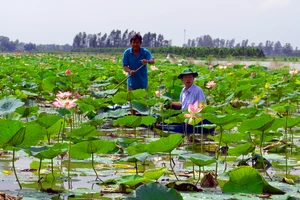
[
  {"x": 125, "y": 62},
  {"x": 176, "y": 105},
  {"x": 150, "y": 61},
  {"x": 130, "y": 71}
]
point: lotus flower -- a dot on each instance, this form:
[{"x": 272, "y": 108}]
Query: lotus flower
[
  {"x": 210, "y": 67},
  {"x": 210, "y": 84},
  {"x": 63, "y": 95},
  {"x": 246, "y": 67},
  {"x": 193, "y": 109},
  {"x": 68, "y": 72},
  {"x": 152, "y": 67},
  {"x": 253, "y": 74},
  {"x": 64, "y": 103},
  {"x": 293, "y": 72}
]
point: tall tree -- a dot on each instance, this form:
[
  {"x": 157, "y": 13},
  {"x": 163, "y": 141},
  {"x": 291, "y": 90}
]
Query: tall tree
[
  {"x": 30, "y": 47},
  {"x": 125, "y": 40},
  {"x": 287, "y": 49},
  {"x": 244, "y": 43},
  {"x": 277, "y": 48},
  {"x": 268, "y": 49}
]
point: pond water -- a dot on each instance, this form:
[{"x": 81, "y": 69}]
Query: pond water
[
  {"x": 83, "y": 177},
  {"x": 270, "y": 64}
]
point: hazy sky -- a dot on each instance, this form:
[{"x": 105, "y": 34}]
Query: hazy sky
[{"x": 58, "y": 21}]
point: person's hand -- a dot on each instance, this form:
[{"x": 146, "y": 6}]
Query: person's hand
[
  {"x": 132, "y": 72},
  {"x": 144, "y": 61}
]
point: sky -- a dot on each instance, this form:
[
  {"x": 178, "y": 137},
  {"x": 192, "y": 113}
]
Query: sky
[{"x": 58, "y": 21}]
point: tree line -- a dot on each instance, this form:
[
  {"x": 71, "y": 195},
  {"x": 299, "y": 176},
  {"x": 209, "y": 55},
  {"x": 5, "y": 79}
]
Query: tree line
[
  {"x": 269, "y": 47},
  {"x": 117, "y": 39},
  {"x": 6, "y": 45}
]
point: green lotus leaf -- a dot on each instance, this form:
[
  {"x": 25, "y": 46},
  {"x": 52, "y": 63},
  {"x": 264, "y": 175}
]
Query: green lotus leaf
[
  {"x": 87, "y": 148},
  {"x": 241, "y": 149},
  {"x": 165, "y": 144},
  {"x": 84, "y": 131},
  {"x": 244, "y": 180},
  {"x": 137, "y": 157},
  {"x": 9, "y": 105},
  {"x": 154, "y": 174},
  {"x": 261, "y": 123},
  {"x": 153, "y": 191},
  {"x": 199, "y": 159}
]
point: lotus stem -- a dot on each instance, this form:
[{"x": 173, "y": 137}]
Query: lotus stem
[
  {"x": 136, "y": 168},
  {"x": 199, "y": 175},
  {"x": 14, "y": 168},
  {"x": 286, "y": 144},
  {"x": 201, "y": 144},
  {"x": 40, "y": 167},
  {"x": 218, "y": 151},
  {"x": 97, "y": 177},
  {"x": 69, "y": 158},
  {"x": 225, "y": 167},
  {"x": 52, "y": 168},
  {"x": 260, "y": 150},
  {"x": 172, "y": 166},
  {"x": 292, "y": 134},
  {"x": 194, "y": 147}
]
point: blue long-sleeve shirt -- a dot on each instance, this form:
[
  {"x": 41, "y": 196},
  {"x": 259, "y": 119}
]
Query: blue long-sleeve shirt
[{"x": 190, "y": 96}]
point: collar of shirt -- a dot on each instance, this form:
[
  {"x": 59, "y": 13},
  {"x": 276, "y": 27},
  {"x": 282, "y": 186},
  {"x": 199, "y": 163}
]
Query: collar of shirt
[{"x": 140, "y": 52}]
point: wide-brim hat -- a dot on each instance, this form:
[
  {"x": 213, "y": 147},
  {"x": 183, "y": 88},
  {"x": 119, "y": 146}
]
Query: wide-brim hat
[{"x": 187, "y": 71}]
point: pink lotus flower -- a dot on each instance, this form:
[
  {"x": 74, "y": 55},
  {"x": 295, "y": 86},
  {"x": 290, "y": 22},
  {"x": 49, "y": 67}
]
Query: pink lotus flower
[
  {"x": 293, "y": 72},
  {"x": 63, "y": 95},
  {"x": 210, "y": 67},
  {"x": 152, "y": 67},
  {"x": 253, "y": 74},
  {"x": 210, "y": 84},
  {"x": 193, "y": 109},
  {"x": 68, "y": 72},
  {"x": 64, "y": 103},
  {"x": 246, "y": 67},
  {"x": 158, "y": 93}
]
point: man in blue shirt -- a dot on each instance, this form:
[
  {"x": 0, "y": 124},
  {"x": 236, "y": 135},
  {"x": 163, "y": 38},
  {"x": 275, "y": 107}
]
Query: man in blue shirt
[
  {"x": 191, "y": 92},
  {"x": 133, "y": 58}
]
